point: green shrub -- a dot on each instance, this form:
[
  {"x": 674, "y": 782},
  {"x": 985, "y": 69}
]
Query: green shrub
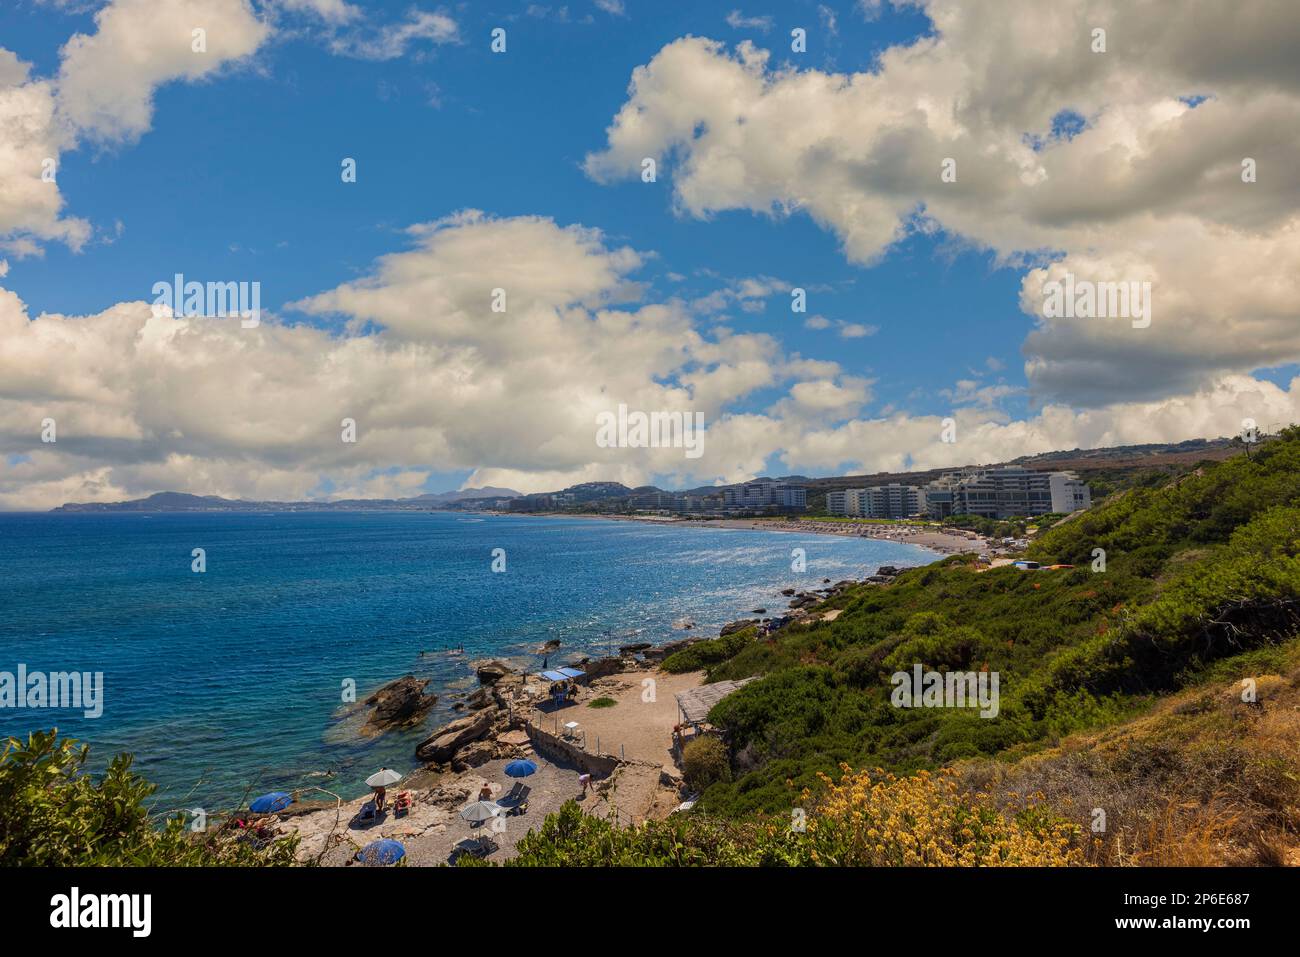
[
  {"x": 53, "y": 813},
  {"x": 703, "y": 654},
  {"x": 601, "y": 703},
  {"x": 704, "y": 762}
]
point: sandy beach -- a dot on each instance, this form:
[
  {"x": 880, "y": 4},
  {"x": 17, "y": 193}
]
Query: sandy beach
[{"x": 945, "y": 541}]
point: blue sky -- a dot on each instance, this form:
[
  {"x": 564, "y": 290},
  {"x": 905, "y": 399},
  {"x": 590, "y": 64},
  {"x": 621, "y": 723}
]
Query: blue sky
[
  {"x": 240, "y": 176},
  {"x": 237, "y": 175}
]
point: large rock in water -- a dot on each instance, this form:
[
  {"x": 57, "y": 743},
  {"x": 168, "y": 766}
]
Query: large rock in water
[
  {"x": 441, "y": 746},
  {"x": 399, "y": 704}
]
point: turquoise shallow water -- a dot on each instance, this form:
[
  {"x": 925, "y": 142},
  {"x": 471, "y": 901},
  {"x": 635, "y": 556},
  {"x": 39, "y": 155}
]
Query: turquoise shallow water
[{"x": 231, "y": 680}]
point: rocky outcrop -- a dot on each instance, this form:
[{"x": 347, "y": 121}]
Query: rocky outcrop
[
  {"x": 399, "y": 704},
  {"x": 480, "y": 699},
  {"x": 663, "y": 651},
  {"x": 634, "y": 648},
  {"x": 492, "y": 671},
  {"x": 473, "y": 755},
  {"x": 732, "y": 627},
  {"x": 448, "y": 796},
  {"x": 441, "y": 746},
  {"x": 600, "y": 667}
]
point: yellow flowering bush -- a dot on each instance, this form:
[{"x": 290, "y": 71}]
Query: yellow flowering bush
[{"x": 875, "y": 819}]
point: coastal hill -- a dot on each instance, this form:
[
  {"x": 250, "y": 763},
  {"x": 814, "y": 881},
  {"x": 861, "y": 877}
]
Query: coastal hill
[
  {"x": 184, "y": 502},
  {"x": 1172, "y": 619},
  {"x": 1146, "y": 709}
]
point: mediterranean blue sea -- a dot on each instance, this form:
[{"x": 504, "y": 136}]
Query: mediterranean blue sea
[{"x": 229, "y": 682}]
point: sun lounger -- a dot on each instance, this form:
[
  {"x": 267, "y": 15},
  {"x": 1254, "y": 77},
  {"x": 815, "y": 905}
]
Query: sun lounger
[
  {"x": 517, "y": 800},
  {"x": 475, "y": 847},
  {"x": 403, "y": 804},
  {"x": 510, "y": 796}
]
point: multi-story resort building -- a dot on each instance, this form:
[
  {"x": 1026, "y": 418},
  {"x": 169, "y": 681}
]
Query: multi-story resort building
[
  {"x": 880, "y": 501},
  {"x": 1005, "y": 493},
  {"x": 993, "y": 493},
  {"x": 1069, "y": 494},
  {"x": 764, "y": 495},
  {"x": 844, "y": 501}
]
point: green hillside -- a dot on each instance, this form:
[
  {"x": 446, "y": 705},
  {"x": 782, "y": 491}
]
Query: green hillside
[{"x": 1199, "y": 569}]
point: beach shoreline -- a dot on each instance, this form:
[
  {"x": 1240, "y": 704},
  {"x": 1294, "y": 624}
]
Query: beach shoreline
[{"x": 938, "y": 539}]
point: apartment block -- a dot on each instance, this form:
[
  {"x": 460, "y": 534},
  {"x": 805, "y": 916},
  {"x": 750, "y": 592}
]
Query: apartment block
[
  {"x": 880, "y": 501},
  {"x": 1006, "y": 493},
  {"x": 757, "y": 495}
]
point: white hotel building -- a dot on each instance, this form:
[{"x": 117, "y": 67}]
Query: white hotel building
[
  {"x": 1006, "y": 493},
  {"x": 765, "y": 495},
  {"x": 992, "y": 493},
  {"x": 880, "y": 501}
]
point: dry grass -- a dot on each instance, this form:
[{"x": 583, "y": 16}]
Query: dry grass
[{"x": 1204, "y": 778}]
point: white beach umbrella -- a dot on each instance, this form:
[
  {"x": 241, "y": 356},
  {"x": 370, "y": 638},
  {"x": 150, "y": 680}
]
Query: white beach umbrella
[
  {"x": 383, "y": 777},
  {"x": 480, "y": 811}
]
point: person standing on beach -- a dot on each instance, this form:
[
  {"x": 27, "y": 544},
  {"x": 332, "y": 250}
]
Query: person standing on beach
[{"x": 585, "y": 781}]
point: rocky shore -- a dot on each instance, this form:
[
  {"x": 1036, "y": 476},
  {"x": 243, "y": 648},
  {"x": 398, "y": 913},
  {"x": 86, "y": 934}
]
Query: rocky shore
[{"x": 459, "y": 758}]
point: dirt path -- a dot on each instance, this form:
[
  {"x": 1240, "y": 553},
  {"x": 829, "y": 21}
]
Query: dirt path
[{"x": 638, "y": 727}]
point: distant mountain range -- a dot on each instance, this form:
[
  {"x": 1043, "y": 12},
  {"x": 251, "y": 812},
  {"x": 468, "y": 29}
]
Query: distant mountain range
[{"x": 184, "y": 502}]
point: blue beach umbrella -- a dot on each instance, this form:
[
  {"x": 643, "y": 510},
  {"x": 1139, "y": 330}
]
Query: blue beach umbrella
[
  {"x": 520, "y": 769},
  {"x": 270, "y": 803},
  {"x": 379, "y": 853}
]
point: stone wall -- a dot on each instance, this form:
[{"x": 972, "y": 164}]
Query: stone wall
[{"x": 557, "y": 749}]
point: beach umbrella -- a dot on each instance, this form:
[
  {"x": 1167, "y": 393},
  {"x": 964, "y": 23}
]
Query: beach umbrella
[
  {"x": 382, "y": 778},
  {"x": 269, "y": 803},
  {"x": 520, "y": 769},
  {"x": 480, "y": 811},
  {"x": 379, "y": 853}
]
